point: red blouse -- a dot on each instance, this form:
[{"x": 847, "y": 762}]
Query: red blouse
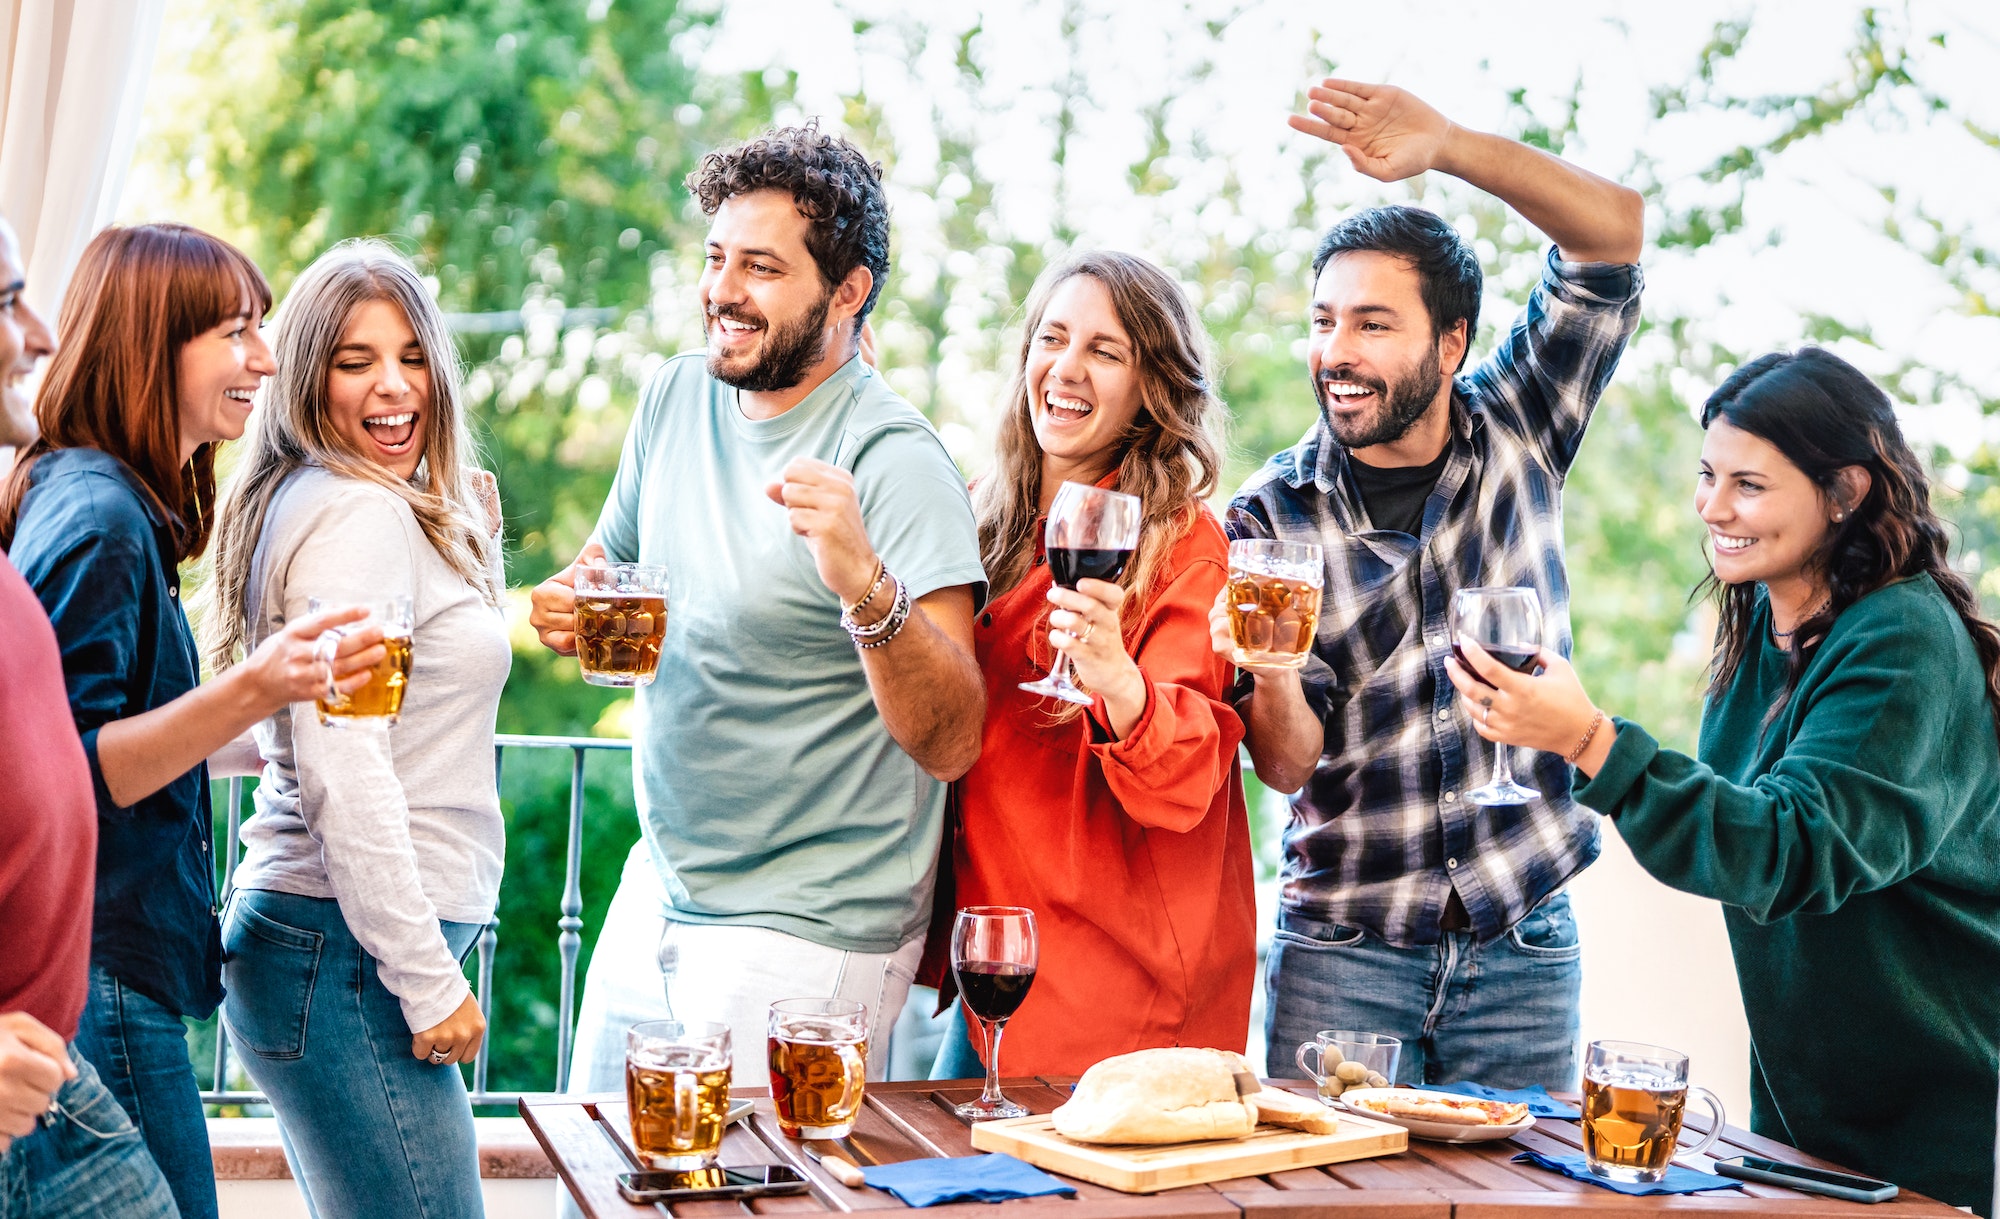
[{"x": 1134, "y": 854}]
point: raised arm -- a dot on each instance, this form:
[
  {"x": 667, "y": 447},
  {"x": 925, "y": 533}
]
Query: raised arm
[
  {"x": 925, "y": 682},
  {"x": 1391, "y": 134}
]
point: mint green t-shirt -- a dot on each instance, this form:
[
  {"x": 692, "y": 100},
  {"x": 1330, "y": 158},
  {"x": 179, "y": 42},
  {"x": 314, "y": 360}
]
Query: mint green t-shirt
[{"x": 768, "y": 788}]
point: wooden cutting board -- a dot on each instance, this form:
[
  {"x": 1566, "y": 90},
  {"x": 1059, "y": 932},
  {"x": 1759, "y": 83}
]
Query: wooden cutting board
[{"x": 1144, "y": 1169}]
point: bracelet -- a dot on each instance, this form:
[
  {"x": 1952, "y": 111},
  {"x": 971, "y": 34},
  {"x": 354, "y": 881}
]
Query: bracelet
[
  {"x": 1589, "y": 735},
  {"x": 882, "y": 632},
  {"x": 880, "y": 625},
  {"x": 881, "y": 575}
]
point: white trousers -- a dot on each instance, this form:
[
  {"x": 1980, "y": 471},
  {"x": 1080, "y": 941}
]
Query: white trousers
[{"x": 727, "y": 974}]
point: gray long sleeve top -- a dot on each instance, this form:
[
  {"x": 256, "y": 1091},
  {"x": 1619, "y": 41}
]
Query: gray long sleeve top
[{"x": 400, "y": 825}]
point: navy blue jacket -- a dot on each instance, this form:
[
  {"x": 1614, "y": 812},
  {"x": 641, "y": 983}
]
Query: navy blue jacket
[{"x": 100, "y": 554}]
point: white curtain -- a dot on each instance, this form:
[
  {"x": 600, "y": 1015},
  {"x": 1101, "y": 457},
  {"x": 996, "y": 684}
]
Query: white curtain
[{"x": 73, "y": 79}]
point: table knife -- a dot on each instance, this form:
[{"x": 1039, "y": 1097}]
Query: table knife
[{"x": 827, "y": 1154}]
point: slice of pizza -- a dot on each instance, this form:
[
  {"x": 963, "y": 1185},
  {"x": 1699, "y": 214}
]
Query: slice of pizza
[{"x": 1436, "y": 1107}]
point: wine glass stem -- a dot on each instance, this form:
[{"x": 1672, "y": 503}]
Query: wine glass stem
[
  {"x": 993, "y": 1030},
  {"x": 1503, "y": 765}
]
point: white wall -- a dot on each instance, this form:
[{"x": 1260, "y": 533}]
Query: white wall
[{"x": 505, "y": 1199}]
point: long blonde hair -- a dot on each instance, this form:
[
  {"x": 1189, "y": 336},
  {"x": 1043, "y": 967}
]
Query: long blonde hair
[
  {"x": 292, "y": 431},
  {"x": 1170, "y": 457}
]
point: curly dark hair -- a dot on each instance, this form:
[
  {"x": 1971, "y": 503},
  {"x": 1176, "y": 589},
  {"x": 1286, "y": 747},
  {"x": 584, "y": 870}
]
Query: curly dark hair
[{"x": 836, "y": 187}]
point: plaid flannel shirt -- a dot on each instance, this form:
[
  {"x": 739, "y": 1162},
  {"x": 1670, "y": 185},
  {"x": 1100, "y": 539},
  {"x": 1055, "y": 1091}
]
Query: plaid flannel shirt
[{"x": 1383, "y": 831}]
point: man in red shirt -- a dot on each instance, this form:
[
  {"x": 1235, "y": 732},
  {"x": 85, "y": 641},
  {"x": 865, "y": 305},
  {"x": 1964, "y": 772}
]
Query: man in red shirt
[{"x": 65, "y": 1145}]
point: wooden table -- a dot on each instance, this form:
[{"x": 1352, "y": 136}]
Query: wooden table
[{"x": 588, "y": 1140}]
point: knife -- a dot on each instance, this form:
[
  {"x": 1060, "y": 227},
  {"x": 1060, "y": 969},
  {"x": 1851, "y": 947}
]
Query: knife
[{"x": 827, "y": 1154}]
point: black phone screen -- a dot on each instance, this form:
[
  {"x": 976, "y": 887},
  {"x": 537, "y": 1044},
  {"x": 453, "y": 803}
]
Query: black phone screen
[
  {"x": 1822, "y": 1175},
  {"x": 708, "y": 1181}
]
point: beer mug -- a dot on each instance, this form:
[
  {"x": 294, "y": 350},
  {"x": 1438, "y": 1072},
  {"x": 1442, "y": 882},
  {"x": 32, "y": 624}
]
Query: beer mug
[
  {"x": 677, "y": 1088},
  {"x": 1343, "y": 1060},
  {"x": 1273, "y": 601},
  {"x": 1634, "y": 1098},
  {"x": 621, "y": 619},
  {"x": 382, "y": 697},
  {"x": 819, "y": 1065}
]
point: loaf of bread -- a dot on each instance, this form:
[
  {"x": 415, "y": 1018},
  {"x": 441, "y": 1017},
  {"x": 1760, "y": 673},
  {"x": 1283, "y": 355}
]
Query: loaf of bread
[{"x": 1160, "y": 1096}]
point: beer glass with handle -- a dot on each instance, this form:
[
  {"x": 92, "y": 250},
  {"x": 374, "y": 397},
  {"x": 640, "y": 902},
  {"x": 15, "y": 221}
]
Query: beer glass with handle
[
  {"x": 1634, "y": 1100},
  {"x": 621, "y": 620},
  {"x": 677, "y": 1091},
  {"x": 1091, "y": 535},
  {"x": 819, "y": 1065},
  {"x": 382, "y": 698},
  {"x": 994, "y": 952},
  {"x": 1507, "y": 623}
]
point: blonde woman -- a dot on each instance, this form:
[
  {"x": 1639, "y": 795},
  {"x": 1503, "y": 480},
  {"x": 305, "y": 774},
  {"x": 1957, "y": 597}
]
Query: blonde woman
[{"x": 375, "y": 855}]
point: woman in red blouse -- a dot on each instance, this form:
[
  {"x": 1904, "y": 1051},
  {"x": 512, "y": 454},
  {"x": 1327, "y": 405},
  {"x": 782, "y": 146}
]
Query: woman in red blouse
[{"x": 1122, "y": 824}]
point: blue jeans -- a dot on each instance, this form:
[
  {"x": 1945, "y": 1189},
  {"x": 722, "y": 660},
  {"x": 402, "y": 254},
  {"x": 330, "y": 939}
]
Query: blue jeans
[
  {"x": 1502, "y": 1014},
  {"x": 368, "y": 1129},
  {"x": 86, "y": 1159},
  {"x": 139, "y": 1048}
]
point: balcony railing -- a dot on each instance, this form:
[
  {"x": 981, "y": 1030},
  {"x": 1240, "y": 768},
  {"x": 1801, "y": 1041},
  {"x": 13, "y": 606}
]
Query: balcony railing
[{"x": 569, "y": 939}]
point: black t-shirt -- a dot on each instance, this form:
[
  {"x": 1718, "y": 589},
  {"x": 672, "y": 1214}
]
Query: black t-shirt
[{"x": 1395, "y": 497}]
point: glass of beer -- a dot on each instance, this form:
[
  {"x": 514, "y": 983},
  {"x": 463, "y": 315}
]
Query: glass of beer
[
  {"x": 1274, "y": 592},
  {"x": 1634, "y": 1097},
  {"x": 382, "y": 698},
  {"x": 819, "y": 1065},
  {"x": 621, "y": 619},
  {"x": 677, "y": 1088}
]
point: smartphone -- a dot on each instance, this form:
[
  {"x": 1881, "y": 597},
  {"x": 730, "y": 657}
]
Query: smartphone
[
  {"x": 1843, "y": 1185},
  {"x": 742, "y": 1181}
]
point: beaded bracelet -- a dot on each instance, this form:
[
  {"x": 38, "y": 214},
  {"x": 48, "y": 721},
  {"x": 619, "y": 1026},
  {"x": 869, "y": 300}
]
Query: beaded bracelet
[
  {"x": 889, "y": 627},
  {"x": 881, "y": 575},
  {"x": 1589, "y": 735},
  {"x": 853, "y": 626}
]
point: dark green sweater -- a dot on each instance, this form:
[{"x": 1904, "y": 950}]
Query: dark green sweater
[{"x": 1856, "y": 847}]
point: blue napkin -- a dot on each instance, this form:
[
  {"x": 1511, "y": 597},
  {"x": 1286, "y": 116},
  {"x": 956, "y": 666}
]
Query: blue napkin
[
  {"x": 1677, "y": 1181},
  {"x": 988, "y": 1178},
  {"x": 1537, "y": 1098}
]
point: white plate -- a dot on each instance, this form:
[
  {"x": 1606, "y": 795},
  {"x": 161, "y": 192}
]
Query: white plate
[{"x": 1437, "y": 1132}]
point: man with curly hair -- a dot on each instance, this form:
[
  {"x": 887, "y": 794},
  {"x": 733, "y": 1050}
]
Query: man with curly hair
[{"x": 816, "y": 688}]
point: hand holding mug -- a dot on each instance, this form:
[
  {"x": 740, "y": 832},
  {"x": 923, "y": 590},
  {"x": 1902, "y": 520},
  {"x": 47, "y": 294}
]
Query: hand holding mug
[
  {"x": 552, "y": 606},
  {"x": 292, "y": 667}
]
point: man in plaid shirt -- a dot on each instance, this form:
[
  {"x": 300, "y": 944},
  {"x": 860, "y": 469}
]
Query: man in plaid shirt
[{"x": 1407, "y": 909}]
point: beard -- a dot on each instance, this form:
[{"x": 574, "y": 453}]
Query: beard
[
  {"x": 787, "y": 354},
  {"x": 1399, "y": 405}
]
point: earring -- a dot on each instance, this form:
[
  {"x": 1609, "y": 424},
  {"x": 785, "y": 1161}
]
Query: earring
[{"x": 1840, "y": 516}]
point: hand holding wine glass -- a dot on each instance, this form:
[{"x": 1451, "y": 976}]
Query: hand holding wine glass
[
  {"x": 1507, "y": 624},
  {"x": 1091, "y": 535},
  {"x": 994, "y": 952}
]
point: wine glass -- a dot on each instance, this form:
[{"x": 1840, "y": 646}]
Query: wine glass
[
  {"x": 1507, "y": 623},
  {"x": 1091, "y": 535},
  {"x": 993, "y": 954}
]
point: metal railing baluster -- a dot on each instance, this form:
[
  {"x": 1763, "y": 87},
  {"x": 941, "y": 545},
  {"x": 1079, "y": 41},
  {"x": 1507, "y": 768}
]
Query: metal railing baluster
[
  {"x": 489, "y": 942},
  {"x": 569, "y": 941},
  {"x": 232, "y": 846}
]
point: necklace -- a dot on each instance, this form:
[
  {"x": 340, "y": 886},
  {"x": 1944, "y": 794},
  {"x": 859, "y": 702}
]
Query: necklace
[{"x": 1805, "y": 617}]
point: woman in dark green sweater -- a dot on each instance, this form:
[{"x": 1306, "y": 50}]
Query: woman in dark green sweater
[{"x": 1845, "y": 806}]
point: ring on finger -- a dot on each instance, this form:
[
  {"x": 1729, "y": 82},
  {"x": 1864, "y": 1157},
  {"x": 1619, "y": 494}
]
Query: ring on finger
[
  {"x": 439, "y": 1057},
  {"x": 1088, "y": 627},
  {"x": 1486, "y": 712}
]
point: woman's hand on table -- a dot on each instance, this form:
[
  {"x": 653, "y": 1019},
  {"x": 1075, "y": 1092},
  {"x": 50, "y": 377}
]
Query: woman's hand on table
[
  {"x": 1084, "y": 626},
  {"x": 1549, "y": 711}
]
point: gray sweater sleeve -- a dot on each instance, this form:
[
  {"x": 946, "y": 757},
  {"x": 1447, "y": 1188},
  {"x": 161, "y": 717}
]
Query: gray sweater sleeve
[{"x": 361, "y": 547}]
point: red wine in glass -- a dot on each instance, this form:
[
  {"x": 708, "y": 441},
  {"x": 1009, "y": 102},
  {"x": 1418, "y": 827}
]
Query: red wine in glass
[
  {"x": 993, "y": 990},
  {"x": 1521, "y": 660},
  {"x": 1068, "y": 564}
]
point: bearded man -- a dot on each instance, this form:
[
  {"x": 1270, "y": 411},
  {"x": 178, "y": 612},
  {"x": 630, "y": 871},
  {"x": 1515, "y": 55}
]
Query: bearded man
[
  {"x": 1405, "y": 908},
  {"x": 816, "y": 688}
]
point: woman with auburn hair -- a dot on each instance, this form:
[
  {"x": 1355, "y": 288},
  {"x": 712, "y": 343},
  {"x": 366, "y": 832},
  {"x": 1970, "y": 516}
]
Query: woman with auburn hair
[
  {"x": 1122, "y": 824},
  {"x": 158, "y": 357},
  {"x": 1845, "y": 803},
  {"x": 374, "y": 859}
]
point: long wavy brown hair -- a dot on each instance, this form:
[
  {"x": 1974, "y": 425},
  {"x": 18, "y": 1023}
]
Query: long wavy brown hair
[
  {"x": 139, "y": 294},
  {"x": 1825, "y": 416},
  {"x": 1169, "y": 457},
  {"x": 292, "y": 432}
]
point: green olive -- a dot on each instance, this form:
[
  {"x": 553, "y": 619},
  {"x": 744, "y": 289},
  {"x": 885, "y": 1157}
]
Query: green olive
[
  {"x": 1377, "y": 1080},
  {"x": 1331, "y": 1088},
  {"x": 1351, "y": 1073}
]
